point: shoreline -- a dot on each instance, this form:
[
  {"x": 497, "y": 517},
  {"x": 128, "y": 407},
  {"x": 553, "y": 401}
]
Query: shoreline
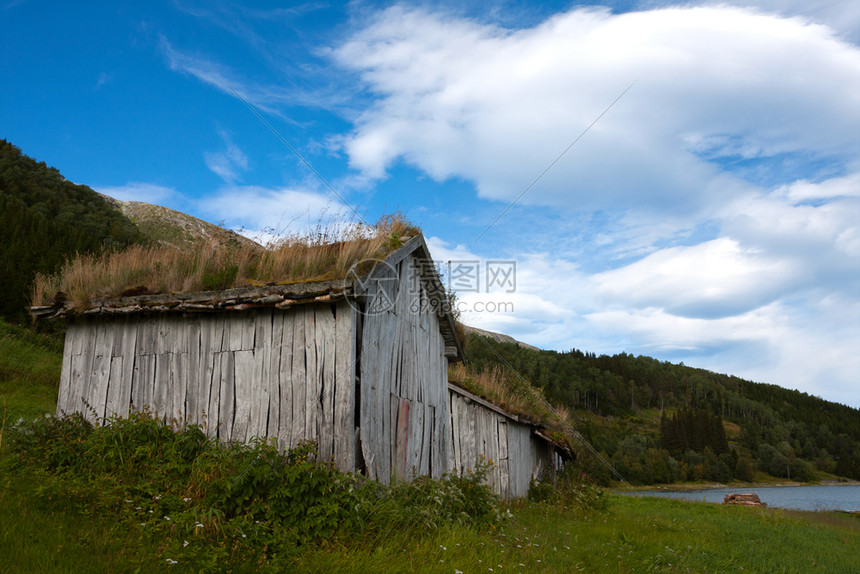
[{"x": 686, "y": 486}]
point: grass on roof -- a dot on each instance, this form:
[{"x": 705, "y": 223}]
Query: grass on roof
[
  {"x": 508, "y": 390},
  {"x": 325, "y": 253}
]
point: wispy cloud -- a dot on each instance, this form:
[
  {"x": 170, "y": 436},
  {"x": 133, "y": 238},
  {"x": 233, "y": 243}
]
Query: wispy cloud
[
  {"x": 103, "y": 78},
  {"x": 264, "y": 212},
  {"x": 227, "y": 163},
  {"x": 270, "y": 97}
]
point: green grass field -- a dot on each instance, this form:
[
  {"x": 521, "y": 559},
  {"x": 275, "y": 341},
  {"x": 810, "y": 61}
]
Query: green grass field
[
  {"x": 631, "y": 535},
  {"x": 29, "y": 372},
  {"x": 87, "y": 520}
]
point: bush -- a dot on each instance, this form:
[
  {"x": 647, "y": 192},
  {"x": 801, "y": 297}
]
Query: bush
[
  {"x": 175, "y": 484},
  {"x": 571, "y": 490}
]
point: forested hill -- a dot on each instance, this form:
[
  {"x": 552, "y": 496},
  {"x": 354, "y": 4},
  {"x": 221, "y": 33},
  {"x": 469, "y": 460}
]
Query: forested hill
[
  {"x": 44, "y": 219},
  {"x": 618, "y": 401}
]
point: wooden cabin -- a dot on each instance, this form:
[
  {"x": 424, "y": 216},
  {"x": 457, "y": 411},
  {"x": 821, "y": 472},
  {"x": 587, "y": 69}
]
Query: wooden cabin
[
  {"x": 519, "y": 450},
  {"x": 358, "y": 365}
]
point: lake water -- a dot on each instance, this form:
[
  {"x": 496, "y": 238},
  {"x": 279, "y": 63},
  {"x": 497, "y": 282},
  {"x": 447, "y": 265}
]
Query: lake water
[{"x": 830, "y": 497}]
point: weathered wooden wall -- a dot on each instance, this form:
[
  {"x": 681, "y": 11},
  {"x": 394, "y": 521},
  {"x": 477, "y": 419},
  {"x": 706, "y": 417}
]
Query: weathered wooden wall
[
  {"x": 403, "y": 408},
  {"x": 479, "y": 429},
  {"x": 285, "y": 374}
]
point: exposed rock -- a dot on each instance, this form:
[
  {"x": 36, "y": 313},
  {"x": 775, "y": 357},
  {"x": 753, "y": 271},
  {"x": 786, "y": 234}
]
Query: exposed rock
[
  {"x": 499, "y": 337},
  {"x": 745, "y": 499}
]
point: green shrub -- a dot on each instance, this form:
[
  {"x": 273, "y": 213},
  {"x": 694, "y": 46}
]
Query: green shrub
[
  {"x": 570, "y": 490},
  {"x": 173, "y": 484}
]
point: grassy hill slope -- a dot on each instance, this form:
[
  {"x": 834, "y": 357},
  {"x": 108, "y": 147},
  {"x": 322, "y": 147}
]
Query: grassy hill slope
[
  {"x": 623, "y": 406},
  {"x": 44, "y": 219},
  {"x": 167, "y": 226}
]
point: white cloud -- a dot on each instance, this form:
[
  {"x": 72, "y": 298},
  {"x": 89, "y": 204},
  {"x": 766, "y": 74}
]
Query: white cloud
[
  {"x": 266, "y": 213},
  {"x": 837, "y": 187},
  {"x": 496, "y": 106},
  {"x": 841, "y": 15},
  {"x": 140, "y": 191},
  {"x": 725, "y": 180},
  {"x": 228, "y": 163},
  {"x": 712, "y": 279}
]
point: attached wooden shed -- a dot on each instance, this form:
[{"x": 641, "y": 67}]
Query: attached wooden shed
[
  {"x": 358, "y": 365},
  {"x": 520, "y": 451}
]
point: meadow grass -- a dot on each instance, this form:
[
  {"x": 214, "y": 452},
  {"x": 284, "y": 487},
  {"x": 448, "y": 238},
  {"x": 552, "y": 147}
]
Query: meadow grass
[
  {"x": 29, "y": 372},
  {"x": 82, "y": 515},
  {"x": 631, "y": 535}
]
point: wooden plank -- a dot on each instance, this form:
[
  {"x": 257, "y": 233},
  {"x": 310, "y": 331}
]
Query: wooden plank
[
  {"x": 367, "y": 400},
  {"x": 456, "y": 434},
  {"x": 273, "y": 426},
  {"x": 145, "y": 381},
  {"x": 416, "y": 441},
  {"x": 385, "y": 427},
  {"x": 227, "y": 399},
  {"x": 324, "y": 338},
  {"x": 261, "y": 354},
  {"x": 65, "y": 387},
  {"x": 285, "y": 379},
  {"x": 520, "y": 458},
  {"x": 344, "y": 385},
  {"x": 248, "y": 330},
  {"x": 428, "y": 461},
  {"x": 233, "y": 333},
  {"x": 214, "y": 411},
  {"x": 162, "y": 382},
  {"x": 298, "y": 375},
  {"x": 312, "y": 382},
  {"x": 179, "y": 372},
  {"x": 127, "y": 374},
  {"x": 211, "y": 344},
  {"x": 503, "y": 461},
  {"x": 113, "y": 401},
  {"x": 100, "y": 372},
  {"x": 244, "y": 385},
  {"x": 393, "y": 463},
  {"x": 75, "y": 402},
  {"x": 179, "y": 376},
  {"x": 194, "y": 404},
  {"x": 400, "y": 461}
]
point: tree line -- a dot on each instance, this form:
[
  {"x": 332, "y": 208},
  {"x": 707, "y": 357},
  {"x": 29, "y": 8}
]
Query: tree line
[
  {"x": 618, "y": 401},
  {"x": 45, "y": 219}
]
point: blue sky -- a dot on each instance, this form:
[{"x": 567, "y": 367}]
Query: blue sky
[{"x": 710, "y": 215}]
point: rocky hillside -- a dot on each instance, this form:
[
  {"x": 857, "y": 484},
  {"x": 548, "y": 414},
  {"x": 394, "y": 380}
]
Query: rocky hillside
[
  {"x": 167, "y": 226},
  {"x": 497, "y": 337}
]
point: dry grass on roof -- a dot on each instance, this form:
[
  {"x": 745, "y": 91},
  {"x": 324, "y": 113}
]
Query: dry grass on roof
[
  {"x": 507, "y": 390},
  {"x": 325, "y": 253}
]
